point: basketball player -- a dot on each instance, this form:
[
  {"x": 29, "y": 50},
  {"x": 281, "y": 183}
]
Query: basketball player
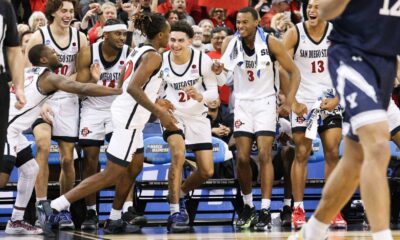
[
  {"x": 130, "y": 112},
  {"x": 64, "y": 107},
  {"x": 362, "y": 64},
  {"x": 40, "y": 84},
  {"x": 189, "y": 84},
  {"x": 308, "y": 43},
  {"x": 251, "y": 56},
  {"x": 95, "y": 122}
]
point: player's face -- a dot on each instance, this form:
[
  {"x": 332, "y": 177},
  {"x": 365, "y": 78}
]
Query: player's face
[
  {"x": 52, "y": 59},
  {"x": 246, "y": 24},
  {"x": 179, "y": 43},
  {"x": 64, "y": 15},
  {"x": 24, "y": 41},
  {"x": 165, "y": 35},
  {"x": 312, "y": 12},
  {"x": 115, "y": 39}
]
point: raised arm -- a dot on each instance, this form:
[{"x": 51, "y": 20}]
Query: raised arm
[{"x": 330, "y": 9}]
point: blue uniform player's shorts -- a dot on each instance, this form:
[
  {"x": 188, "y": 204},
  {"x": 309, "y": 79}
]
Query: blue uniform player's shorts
[{"x": 364, "y": 83}]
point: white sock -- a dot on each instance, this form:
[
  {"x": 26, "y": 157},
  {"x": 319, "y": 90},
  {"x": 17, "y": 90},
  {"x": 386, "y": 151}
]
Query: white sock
[
  {"x": 265, "y": 203},
  {"x": 384, "y": 235},
  {"x": 287, "y": 202},
  {"x": 315, "y": 230},
  {"x": 248, "y": 199},
  {"x": 60, "y": 203},
  {"x": 182, "y": 194},
  {"x": 127, "y": 204},
  {"x": 38, "y": 199},
  {"x": 299, "y": 204},
  {"x": 17, "y": 215},
  {"x": 91, "y": 207},
  {"x": 26, "y": 182},
  {"x": 115, "y": 214},
  {"x": 173, "y": 208}
]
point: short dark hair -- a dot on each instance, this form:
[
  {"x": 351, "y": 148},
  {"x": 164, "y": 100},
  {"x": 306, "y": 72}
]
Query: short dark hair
[
  {"x": 52, "y": 6},
  {"x": 219, "y": 29},
  {"x": 112, "y": 21},
  {"x": 167, "y": 14},
  {"x": 150, "y": 24},
  {"x": 250, "y": 10},
  {"x": 183, "y": 26},
  {"x": 35, "y": 53},
  {"x": 23, "y": 35}
]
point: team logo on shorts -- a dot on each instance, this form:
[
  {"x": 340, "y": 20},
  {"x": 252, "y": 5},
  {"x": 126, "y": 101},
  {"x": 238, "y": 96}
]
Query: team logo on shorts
[
  {"x": 238, "y": 123},
  {"x": 85, "y": 131},
  {"x": 300, "y": 119}
]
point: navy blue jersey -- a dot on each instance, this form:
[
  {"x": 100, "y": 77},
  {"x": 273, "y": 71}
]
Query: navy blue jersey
[{"x": 371, "y": 26}]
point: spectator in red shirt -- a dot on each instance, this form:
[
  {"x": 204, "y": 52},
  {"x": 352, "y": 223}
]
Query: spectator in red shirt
[
  {"x": 217, "y": 37},
  {"x": 218, "y": 17},
  {"x": 192, "y": 8}
]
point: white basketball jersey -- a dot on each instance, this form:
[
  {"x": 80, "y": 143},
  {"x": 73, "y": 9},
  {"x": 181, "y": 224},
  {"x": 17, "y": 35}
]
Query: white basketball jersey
[
  {"x": 126, "y": 112},
  {"x": 312, "y": 60},
  {"x": 22, "y": 119},
  {"x": 177, "y": 77},
  {"x": 110, "y": 73},
  {"x": 250, "y": 84},
  {"x": 67, "y": 55}
]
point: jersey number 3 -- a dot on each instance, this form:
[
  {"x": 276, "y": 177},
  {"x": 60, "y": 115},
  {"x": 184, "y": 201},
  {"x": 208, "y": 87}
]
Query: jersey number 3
[
  {"x": 250, "y": 74},
  {"x": 317, "y": 66}
]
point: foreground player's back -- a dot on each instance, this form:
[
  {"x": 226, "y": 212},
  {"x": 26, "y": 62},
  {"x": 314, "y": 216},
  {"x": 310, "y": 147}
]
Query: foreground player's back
[{"x": 372, "y": 26}]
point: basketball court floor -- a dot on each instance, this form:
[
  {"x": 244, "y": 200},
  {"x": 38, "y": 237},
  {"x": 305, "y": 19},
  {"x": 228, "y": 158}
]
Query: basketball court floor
[{"x": 354, "y": 232}]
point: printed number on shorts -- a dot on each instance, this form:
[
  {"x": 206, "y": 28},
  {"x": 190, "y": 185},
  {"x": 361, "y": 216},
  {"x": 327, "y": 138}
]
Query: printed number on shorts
[
  {"x": 317, "y": 66},
  {"x": 62, "y": 70},
  {"x": 250, "y": 74},
  {"x": 183, "y": 97}
]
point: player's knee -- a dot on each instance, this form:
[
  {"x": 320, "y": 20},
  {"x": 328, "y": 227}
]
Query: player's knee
[
  {"x": 30, "y": 169},
  {"x": 332, "y": 155},
  {"x": 66, "y": 163},
  {"x": 178, "y": 157},
  {"x": 264, "y": 156},
  {"x": 379, "y": 150},
  {"x": 243, "y": 160},
  {"x": 302, "y": 153},
  {"x": 43, "y": 146},
  {"x": 206, "y": 173}
]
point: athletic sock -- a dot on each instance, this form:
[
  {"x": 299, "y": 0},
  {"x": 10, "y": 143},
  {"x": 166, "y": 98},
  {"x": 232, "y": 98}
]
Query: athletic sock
[
  {"x": 384, "y": 234},
  {"x": 265, "y": 203},
  {"x": 126, "y": 205},
  {"x": 287, "y": 202},
  {"x": 173, "y": 208},
  {"x": 115, "y": 214},
  {"x": 315, "y": 229},
  {"x": 91, "y": 207},
  {"x": 248, "y": 199},
  {"x": 38, "y": 199},
  {"x": 60, "y": 203},
  {"x": 299, "y": 204},
  {"x": 17, "y": 215}
]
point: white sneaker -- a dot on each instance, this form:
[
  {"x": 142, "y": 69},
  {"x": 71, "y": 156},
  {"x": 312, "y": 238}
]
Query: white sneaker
[{"x": 21, "y": 228}]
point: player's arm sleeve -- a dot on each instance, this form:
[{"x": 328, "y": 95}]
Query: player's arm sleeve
[
  {"x": 11, "y": 39},
  {"x": 209, "y": 80}
]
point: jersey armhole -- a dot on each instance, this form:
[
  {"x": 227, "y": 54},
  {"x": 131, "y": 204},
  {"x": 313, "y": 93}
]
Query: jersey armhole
[
  {"x": 297, "y": 41},
  {"x": 272, "y": 56},
  {"x": 41, "y": 33},
  {"x": 200, "y": 62},
  {"x": 79, "y": 39},
  {"x": 91, "y": 54}
]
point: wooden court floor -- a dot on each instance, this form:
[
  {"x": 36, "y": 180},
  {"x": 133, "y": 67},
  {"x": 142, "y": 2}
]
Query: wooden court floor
[{"x": 199, "y": 233}]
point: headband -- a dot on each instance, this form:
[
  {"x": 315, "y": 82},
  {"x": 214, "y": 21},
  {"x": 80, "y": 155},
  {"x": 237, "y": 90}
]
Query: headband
[{"x": 115, "y": 27}]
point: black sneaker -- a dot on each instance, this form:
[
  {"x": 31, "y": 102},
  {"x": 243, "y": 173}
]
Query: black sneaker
[
  {"x": 133, "y": 217},
  {"x": 286, "y": 216},
  {"x": 178, "y": 223},
  {"x": 65, "y": 222},
  {"x": 91, "y": 221},
  {"x": 119, "y": 226},
  {"x": 264, "y": 220},
  {"x": 247, "y": 218},
  {"x": 48, "y": 217}
]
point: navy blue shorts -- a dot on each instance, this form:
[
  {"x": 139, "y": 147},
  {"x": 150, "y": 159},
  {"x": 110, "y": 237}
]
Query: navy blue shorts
[{"x": 364, "y": 83}]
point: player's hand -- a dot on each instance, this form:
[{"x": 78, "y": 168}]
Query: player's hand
[
  {"x": 47, "y": 114},
  {"x": 95, "y": 71},
  {"x": 218, "y": 132},
  {"x": 329, "y": 104},
  {"x": 217, "y": 67},
  {"x": 193, "y": 93},
  {"x": 300, "y": 109},
  {"x": 225, "y": 129},
  {"x": 166, "y": 104},
  {"x": 284, "y": 109},
  {"x": 21, "y": 100},
  {"x": 167, "y": 120},
  {"x": 89, "y": 14}
]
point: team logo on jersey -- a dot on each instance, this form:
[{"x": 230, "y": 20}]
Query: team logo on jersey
[
  {"x": 47, "y": 42},
  {"x": 238, "y": 123},
  {"x": 300, "y": 119},
  {"x": 85, "y": 131},
  {"x": 303, "y": 38},
  {"x": 166, "y": 72},
  {"x": 194, "y": 69},
  {"x": 74, "y": 47},
  {"x": 121, "y": 64}
]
